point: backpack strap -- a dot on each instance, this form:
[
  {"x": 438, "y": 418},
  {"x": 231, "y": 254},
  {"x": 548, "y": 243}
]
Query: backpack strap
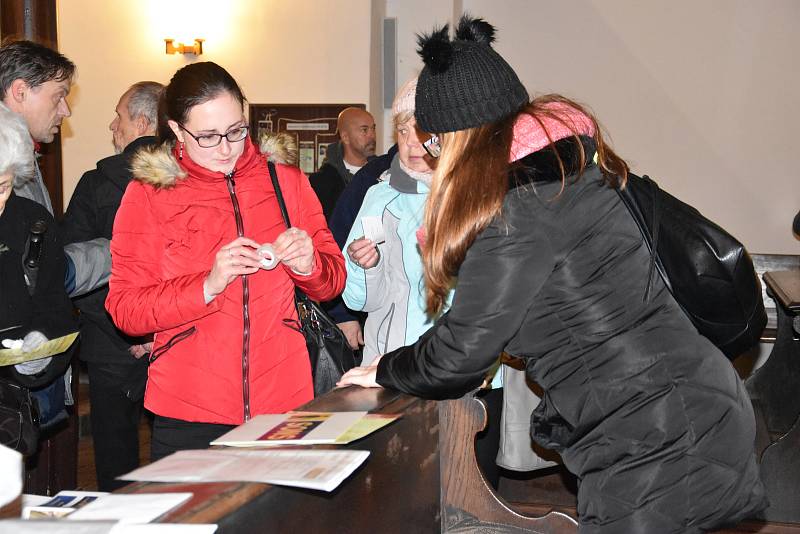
[{"x": 656, "y": 224}]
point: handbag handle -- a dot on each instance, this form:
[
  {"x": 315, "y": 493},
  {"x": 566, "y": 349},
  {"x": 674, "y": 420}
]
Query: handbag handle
[
  {"x": 273, "y": 174},
  {"x": 278, "y": 193}
]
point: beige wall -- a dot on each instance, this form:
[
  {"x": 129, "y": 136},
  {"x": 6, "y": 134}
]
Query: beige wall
[
  {"x": 701, "y": 95},
  {"x": 413, "y": 17},
  {"x": 278, "y": 51}
]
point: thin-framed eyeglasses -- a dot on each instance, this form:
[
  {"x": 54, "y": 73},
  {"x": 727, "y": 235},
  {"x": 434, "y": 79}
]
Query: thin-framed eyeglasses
[
  {"x": 212, "y": 140},
  {"x": 433, "y": 147}
]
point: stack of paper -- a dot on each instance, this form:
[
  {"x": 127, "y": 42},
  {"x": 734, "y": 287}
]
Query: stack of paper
[
  {"x": 130, "y": 507},
  {"x": 54, "y": 526},
  {"x": 304, "y": 428},
  {"x": 313, "y": 469},
  {"x": 61, "y": 504},
  {"x": 88, "y": 505}
]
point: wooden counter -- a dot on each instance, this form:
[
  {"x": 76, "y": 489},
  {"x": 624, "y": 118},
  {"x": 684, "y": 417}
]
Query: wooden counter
[{"x": 420, "y": 477}]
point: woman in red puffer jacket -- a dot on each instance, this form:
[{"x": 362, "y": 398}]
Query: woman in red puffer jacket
[{"x": 186, "y": 266}]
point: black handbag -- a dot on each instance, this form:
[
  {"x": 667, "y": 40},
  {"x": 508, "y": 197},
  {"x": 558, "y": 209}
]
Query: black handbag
[
  {"x": 706, "y": 269},
  {"x": 328, "y": 349},
  {"x": 19, "y": 421}
]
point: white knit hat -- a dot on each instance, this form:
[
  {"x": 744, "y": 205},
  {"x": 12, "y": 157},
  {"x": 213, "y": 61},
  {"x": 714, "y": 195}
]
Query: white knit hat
[{"x": 404, "y": 100}]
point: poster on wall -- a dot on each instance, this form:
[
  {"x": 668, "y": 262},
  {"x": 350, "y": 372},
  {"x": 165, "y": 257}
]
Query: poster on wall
[
  {"x": 312, "y": 125},
  {"x": 306, "y": 157},
  {"x": 322, "y": 152},
  {"x": 265, "y": 125}
]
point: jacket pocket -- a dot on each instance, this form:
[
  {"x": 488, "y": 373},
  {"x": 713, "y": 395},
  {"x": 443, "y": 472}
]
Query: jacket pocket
[{"x": 174, "y": 340}]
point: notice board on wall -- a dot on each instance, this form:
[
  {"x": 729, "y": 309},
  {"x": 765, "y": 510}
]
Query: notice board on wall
[{"x": 312, "y": 125}]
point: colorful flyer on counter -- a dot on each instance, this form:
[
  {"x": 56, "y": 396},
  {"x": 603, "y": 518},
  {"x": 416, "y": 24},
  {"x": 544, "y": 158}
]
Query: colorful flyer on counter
[{"x": 304, "y": 428}]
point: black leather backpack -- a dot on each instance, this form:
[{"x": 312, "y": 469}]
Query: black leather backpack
[{"x": 705, "y": 268}]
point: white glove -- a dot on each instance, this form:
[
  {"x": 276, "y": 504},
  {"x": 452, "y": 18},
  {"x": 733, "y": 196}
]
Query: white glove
[
  {"x": 32, "y": 340},
  {"x": 32, "y": 367},
  {"x": 15, "y": 344}
]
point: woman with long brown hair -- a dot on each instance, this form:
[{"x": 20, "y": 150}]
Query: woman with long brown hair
[{"x": 523, "y": 218}]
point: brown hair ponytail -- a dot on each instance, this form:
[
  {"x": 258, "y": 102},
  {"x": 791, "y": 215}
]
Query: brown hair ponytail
[{"x": 469, "y": 185}]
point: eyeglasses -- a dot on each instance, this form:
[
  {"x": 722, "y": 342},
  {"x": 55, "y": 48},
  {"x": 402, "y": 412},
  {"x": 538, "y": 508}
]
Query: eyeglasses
[
  {"x": 433, "y": 147},
  {"x": 212, "y": 140}
]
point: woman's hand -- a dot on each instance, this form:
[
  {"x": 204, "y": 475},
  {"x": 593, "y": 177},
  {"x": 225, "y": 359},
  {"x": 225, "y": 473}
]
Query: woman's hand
[
  {"x": 364, "y": 253},
  {"x": 137, "y": 351},
  {"x": 236, "y": 258},
  {"x": 361, "y": 376},
  {"x": 352, "y": 332},
  {"x": 295, "y": 249}
]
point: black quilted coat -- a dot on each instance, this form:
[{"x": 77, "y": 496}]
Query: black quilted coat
[{"x": 647, "y": 413}]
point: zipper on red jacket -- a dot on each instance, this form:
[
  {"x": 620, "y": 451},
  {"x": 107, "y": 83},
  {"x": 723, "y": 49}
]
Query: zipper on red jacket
[
  {"x": 245, "y": 302},
  {"x": 174, "y": 340}
]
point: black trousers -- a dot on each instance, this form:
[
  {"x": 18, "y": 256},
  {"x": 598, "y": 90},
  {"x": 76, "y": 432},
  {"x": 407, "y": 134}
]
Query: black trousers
[
  {"x": 115, "y": 421},
  {"x": 172, "y": 435}
]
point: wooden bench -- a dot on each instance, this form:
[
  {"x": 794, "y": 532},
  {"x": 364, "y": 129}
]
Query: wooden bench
[
  {"x": 775, "y": 391},
  {"x": 765, "y": 263}
]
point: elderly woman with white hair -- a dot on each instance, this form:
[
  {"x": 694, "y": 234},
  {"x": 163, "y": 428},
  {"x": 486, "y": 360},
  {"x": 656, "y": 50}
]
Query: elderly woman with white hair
[
  {"x": 384, "y": 278},
  {"x": 34, "y": 306}
]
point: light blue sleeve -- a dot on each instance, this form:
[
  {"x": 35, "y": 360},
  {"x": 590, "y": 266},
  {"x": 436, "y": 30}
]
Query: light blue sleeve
[{"x": 364, "y": 288}]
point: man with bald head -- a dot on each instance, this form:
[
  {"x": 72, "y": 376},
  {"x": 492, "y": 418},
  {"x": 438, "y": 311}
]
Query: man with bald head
[{"x": 344, "y": 158}]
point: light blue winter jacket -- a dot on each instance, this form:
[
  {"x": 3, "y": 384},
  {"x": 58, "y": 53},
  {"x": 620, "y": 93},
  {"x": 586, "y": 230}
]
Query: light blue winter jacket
[{"x": 392, "y": 293}]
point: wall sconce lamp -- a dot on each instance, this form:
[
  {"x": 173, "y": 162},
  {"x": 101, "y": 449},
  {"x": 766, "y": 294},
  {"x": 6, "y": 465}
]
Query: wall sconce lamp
[{"x": 180, "y": 48}]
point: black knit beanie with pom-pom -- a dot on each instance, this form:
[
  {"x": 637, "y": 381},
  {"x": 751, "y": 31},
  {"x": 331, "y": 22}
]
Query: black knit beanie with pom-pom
[{"x": 465, "y": 83}]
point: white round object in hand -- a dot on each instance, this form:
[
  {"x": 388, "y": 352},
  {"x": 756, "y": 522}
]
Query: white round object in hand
[{"x": 268, "y": 259}]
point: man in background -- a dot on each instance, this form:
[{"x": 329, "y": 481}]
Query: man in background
[
  {"x": 34, "y": 84},
  {"x": 344, "y": 158},
  {"x": 117, "y": 364}
]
